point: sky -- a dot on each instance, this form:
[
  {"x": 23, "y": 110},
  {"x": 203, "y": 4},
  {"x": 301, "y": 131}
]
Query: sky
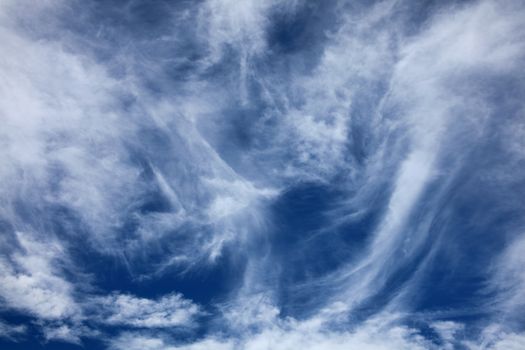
[{"x": 262, "y": 174}]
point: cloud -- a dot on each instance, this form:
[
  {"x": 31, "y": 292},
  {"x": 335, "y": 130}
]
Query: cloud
[
  {"x": 33, "y": 282},
  {"x": 66, "y": 333},
  {"x": 226, "y": 24},
  {"x": 166, "y": 312},
  {"x": 80, "y": 148},
  {"x": 508, "y": 282},
  {"x": 292, "y": 334},
  {"x": 384, "y": 331},
  {"x": 11, "y": 332},
  {"x": 66, "y": 139},
  {"x": 133, "y": 341},
  {"x": 493, "y": 337},
  {"x": 428, "y": 95},
  {"x": 103, "y": 145}
]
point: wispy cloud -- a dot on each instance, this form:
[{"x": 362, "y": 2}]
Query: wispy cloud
[
  {"x": 12, "y": 332},
  {"x": 31, "y": 281},
  {"x": 166, "y": 312},
  {"x": 159, "y": 149}
]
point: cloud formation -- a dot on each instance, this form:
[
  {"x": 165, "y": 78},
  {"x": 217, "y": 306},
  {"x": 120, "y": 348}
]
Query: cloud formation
[
  {"x": 168, "y": 311},
  {"x": 34, "y": 284},
  {"x": 262, "y": 174}
]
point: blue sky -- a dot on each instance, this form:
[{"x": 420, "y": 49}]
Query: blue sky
[{"x": 262, "y": 174}]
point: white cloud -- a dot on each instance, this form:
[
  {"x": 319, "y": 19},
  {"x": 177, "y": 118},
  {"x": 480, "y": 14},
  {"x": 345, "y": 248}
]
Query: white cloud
[
  {"x": 33, "y": 282},
  {"x": 69, "y": 146},
  {"x": 493, "y": 337},
  {"x": 64, "y": 147},
  {"x": 447, "y": 330},
  {"x": 73, "y": 144},
  {"x": 506, "y": 341},
  {"x": 291, "y": 334},
  {"x": 429, "y": 95},
  {"x": 11, "y": 332},
  {"x": 226, "y": 24},
  {"x": 62, "y": 332},
  {"x": 138, "y": 341},
  {"x": 355, "y": 58},
  {"x": 508, "y": 281},
  {"x": 166, "y": 312},
  {"x": 324, "y": 331}
]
